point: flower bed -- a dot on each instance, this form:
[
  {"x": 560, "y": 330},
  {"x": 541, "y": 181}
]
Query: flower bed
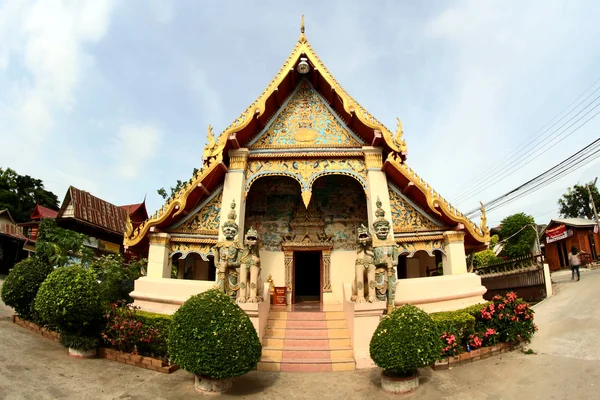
[
  {"x": 109, "y": 354},
  {"x": 483, "y": 329},
  {"x": 137, "y": 360},
  {"x": 474, "y": 355}
]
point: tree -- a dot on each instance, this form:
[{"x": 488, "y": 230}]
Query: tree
[
  {"x": 59, "y": 247},
  {"x": 576, "y": 202},
  {"x": 20, "y": 194},
  {"x": 518, "y": 238},
  {"x": 163, "y": 193}
]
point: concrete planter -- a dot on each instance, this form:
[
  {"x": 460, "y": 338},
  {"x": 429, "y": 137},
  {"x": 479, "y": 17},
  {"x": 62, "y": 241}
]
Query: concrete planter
[
  {"x": 395, "y": 385},
  {"x": 82, "y": 353},
  {"x": 212, "y": 386}
]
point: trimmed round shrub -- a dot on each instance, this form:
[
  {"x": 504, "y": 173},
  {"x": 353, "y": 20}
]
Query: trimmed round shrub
[
  {"x": 212, "y": 337},
  {"x": 69, "y": 300},
  {"x": 404, "y": 341},
  {"x": 22, "y": 284}
]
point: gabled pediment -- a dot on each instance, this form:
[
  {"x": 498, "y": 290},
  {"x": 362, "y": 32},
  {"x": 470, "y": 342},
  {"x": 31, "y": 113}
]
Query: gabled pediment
[
  {"x": 409, "y": 217},
  {"x": 305, "y": 120}
]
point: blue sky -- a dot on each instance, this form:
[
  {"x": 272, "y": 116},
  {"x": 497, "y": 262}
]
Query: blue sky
[{"x": 115, "y": 97}]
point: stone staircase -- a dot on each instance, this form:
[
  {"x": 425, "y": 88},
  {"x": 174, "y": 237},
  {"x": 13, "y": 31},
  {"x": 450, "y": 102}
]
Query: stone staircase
[{"x": 306, "y": 341}]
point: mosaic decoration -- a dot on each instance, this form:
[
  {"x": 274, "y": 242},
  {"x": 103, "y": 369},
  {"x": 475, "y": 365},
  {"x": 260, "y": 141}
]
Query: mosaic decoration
[
  {"x": 202, "y": 249},
  {"x": 306, "y": 171},
  {"x": 204, "y": 221},
  {"x": 339, "y": 203},
  {"x": 406, "y": 217},
  {"x": 305, "y": 121},
  {"x": 410, "y": 248}
]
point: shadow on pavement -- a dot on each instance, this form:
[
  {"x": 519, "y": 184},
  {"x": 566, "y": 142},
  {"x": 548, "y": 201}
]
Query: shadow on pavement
[{"x": 253, "y": 383}]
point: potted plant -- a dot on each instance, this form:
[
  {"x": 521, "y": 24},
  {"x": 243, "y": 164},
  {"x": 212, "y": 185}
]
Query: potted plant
[
  {"x": 404, "y": 341},
  {"x": 69, "y": 300},
  {"x": 211, "y": 337}
]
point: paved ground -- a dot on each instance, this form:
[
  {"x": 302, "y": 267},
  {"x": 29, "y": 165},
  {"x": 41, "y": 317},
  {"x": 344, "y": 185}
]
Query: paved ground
[{"x": 565, "y": 366}]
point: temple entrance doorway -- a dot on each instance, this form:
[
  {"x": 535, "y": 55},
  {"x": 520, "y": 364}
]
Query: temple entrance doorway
[{"x": 307, "y": 277}]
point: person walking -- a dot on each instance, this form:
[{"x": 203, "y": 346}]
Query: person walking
[{"x": 574, "y": 262}]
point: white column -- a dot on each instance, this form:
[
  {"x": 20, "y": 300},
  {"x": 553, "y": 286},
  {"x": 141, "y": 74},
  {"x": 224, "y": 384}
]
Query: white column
[
  {"x": 454, "y": 262},
  {"x": 158, "y": 256},
  {"x": 377, "y": 186},
  {"x": 233, "y": 189}
]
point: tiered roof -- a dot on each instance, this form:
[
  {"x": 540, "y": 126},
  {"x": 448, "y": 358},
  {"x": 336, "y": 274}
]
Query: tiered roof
[{"x": 256, "y": 117}]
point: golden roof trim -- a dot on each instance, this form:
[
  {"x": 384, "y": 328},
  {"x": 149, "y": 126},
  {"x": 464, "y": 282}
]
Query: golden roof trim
[
  {"x": 333, "y": 154},
  {"x": 195, "y": 232},
  {"x": 215, "y": 147},
  {"x": 194, "y": 240},
  {"x": 409, "y": 239},
  {"x": 177, "y": 201},
  {"x": 434, "y": 199}
]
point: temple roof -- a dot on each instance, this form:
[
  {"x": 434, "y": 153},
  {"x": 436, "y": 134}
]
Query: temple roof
[
  {"x": 303, "y": 65},
  {"x": 41, "y": 212}
]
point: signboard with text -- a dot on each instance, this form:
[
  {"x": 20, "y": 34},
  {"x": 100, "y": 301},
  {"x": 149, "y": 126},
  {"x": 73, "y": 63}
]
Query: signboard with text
[{"x": 557, "y": 233}]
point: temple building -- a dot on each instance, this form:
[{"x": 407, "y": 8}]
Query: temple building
[{"x": 302, "y": 169}]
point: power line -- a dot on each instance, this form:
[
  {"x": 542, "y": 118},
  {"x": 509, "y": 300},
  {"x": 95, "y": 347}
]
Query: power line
[
  {"x": 551, "y": 179},
  {"x": 518, "y": 166},
  {"x": 523, "y": 147},
  {"x": 557, "y": 171}
]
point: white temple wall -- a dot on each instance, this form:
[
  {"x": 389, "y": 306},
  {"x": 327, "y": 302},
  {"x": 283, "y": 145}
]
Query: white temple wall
[
  {"x": 342, "y": 271},
  {"x": 272, "y": 263}
]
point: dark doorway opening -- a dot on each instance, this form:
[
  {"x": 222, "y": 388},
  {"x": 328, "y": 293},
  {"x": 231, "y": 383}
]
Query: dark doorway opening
[{"x": 307, "y": 276}]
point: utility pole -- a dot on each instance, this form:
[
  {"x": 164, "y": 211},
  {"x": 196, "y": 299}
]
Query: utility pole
[{"x": 593, "y": 204}]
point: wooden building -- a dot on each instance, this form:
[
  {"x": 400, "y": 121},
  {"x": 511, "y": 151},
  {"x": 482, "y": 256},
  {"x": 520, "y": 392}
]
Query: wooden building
[
  {"x": 561, "y": 234},
  {"x": 11, "y": 242},
  {"x": 102, "y": 221}
]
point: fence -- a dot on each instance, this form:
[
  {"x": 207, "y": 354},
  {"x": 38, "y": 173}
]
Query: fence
[{"x": 524, "y": 275}]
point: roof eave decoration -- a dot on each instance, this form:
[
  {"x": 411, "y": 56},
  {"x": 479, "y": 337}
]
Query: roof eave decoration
[
  {"x": 395, "y": 143},
  {"x": 174, "y": 206},
  {"x": 439, "y": 205}
]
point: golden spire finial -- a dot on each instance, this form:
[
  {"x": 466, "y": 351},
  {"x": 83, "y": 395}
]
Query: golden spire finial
[{"x": 302, "y": 37}]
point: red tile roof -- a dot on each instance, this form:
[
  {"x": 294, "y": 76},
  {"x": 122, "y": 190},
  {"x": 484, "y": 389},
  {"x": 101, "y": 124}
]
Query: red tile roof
[
  {"x": 132, "y": 208},
  {"x": 93, "y": 210},
  {"x": 40, "y": 212}
]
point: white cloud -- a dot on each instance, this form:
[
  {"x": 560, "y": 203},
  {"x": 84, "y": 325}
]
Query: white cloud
[
  {"x": 47, "y": 38},
  {"x": 134, "y": 145}
]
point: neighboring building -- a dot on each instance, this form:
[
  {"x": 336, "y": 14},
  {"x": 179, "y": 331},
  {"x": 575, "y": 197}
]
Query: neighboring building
[
  {"x": 305, "y": 165},
  {"x": 104, "y": 223},
  {"x": 11, "y": 242},
  {"x": 563, "y": 233},
  {"x": 30, "y": 229}
]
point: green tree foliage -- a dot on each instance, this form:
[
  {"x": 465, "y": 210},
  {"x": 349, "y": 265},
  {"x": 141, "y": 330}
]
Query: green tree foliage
[
  {"x": 404, "y": 341},
  {"x": 57, "y": 246},
  {"x": 484, "y": 258},
  {"x": 163, "y": 193},
  {"x": 22, "y": 284},
  {"x": 116, "y": 278},
  {"x": 518, "y": 238},
  {"x": 69, "y": 300},
  {"x": 576, "y": 202},
  {"x": 212, "y": 337},
  {"x": 20, "y": 194},
  {"x": 494, "y": 241}
]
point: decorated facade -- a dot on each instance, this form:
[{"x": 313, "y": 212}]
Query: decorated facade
[{"x": 308, "y": 176}]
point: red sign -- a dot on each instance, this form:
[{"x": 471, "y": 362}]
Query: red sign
[
  {"x": 280, "y": 295},
  {"x": 559, "y": 232}
]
